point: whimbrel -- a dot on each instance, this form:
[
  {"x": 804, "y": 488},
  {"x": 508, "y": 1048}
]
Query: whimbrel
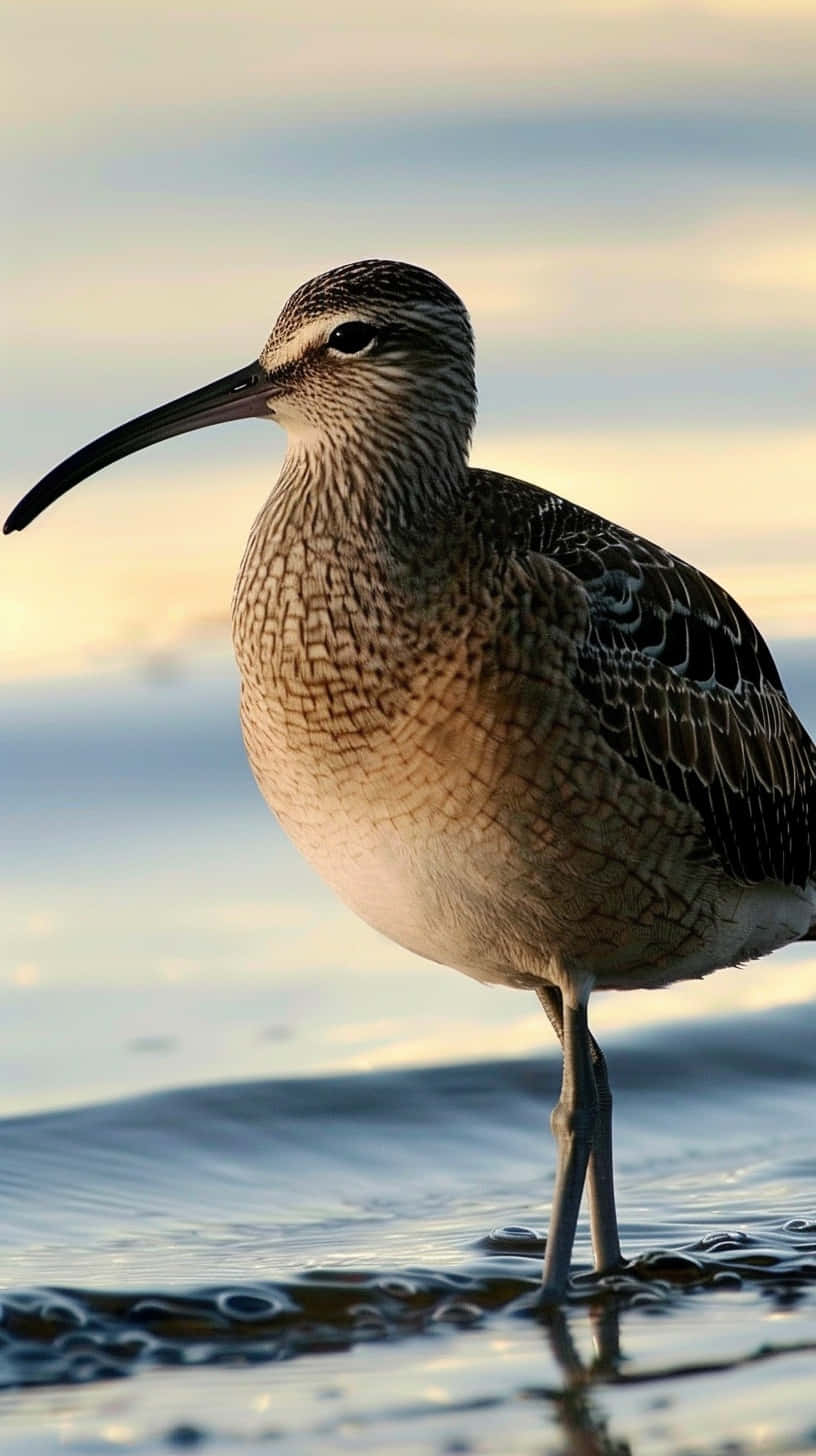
[{"x": 516, "y": 738}]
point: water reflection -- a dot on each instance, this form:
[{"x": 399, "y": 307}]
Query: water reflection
[{"x": 576, "y": 1408}]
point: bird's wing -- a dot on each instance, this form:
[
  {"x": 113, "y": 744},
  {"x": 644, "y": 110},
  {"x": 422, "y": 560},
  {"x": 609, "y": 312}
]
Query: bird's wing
[{"x": 684, "y": 688}]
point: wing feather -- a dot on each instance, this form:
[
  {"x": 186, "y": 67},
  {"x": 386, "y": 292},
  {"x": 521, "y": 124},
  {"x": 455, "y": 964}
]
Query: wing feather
[{"x": 683, "y": 685}]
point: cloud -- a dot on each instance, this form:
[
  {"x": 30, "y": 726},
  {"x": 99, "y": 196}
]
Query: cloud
[
  {"x": 79, "y": 69},
  {"x": 739, "y": 274}
]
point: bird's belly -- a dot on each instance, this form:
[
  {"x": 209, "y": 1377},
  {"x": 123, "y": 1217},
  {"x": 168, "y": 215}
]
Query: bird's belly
[
  {"x": 453, "y": 871},
  {"x": 390, "y": 859},
  {"x": 511, "y": 877},
  {"x": 382, "y": 882},
  {"x": 409, "y": 842}
]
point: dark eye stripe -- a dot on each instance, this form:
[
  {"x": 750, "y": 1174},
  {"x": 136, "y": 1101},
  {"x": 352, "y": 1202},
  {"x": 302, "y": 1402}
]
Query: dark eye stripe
[{"x": 350, "y": 338}]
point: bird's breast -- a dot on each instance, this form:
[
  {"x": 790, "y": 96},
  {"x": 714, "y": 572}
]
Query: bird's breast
[
  {"x": 377, "y": 747},
  {"x": 394, "y": 758}
]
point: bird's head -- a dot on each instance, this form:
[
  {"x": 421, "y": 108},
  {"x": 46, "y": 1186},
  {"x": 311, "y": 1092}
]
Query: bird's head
[
  {"x": 370, "y": 344},
  {"x": 374, "y": 350}
]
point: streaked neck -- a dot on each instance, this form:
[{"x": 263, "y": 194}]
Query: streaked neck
[{"x": 394, "y": 498}]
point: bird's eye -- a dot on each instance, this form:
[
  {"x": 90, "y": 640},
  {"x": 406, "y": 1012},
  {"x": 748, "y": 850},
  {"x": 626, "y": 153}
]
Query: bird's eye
[{"x": 352, "y": 338}]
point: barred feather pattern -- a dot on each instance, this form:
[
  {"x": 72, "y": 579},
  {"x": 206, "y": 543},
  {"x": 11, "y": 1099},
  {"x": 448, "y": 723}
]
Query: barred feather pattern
[{"x": 683, "y": 685}]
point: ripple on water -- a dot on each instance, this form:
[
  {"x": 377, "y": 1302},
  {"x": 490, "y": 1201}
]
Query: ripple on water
[{"x": 54, "y": 1336}]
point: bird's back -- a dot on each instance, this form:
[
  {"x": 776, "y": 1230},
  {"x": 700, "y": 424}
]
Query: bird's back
[{"x": 682, "y": 684}]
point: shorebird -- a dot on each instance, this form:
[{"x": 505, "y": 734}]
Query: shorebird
[{"x": 516, "y": 738}]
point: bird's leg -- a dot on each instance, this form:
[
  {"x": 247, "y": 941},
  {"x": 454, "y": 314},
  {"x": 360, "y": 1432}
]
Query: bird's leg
[
  {"x": 603, "y": 1218},
  {"x": 600, "y": 1178},
  {"x": 575, "y": 1125}
]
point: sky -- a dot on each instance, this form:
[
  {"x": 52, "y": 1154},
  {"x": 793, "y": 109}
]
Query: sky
[{"x": 621, "y": 191}]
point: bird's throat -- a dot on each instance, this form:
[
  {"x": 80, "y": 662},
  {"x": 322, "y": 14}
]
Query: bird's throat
[{"x": 339, "y": 587}]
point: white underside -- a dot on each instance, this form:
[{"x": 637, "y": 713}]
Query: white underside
[{"x": 425, "y": 902}]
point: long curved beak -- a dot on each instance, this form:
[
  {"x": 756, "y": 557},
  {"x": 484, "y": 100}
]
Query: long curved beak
[{"x": 237, "y": 396}]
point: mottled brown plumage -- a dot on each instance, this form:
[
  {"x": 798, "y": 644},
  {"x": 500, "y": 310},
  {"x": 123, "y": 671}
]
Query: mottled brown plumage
[{"x": 515, "y": 737}]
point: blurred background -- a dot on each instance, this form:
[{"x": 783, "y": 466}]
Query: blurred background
[{"x": 623, "y": 193}]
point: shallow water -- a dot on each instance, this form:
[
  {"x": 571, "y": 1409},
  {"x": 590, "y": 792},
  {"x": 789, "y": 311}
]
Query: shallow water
[
  {"x": 347, "y": 1262},
  {"x": 323, "y": 1230}
]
